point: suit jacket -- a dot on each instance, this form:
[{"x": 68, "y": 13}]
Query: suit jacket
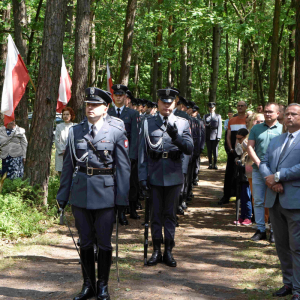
[
  {"x": 164, "y": 171},
  {"x": 289, "y": 168},
  {"x": 97, "y": 191},
  {"x": 213, "y": 127},
  {"x": 186, "y": 158},
  {"x": 130, "y": 118},
  {"x": 14, "y": 144}
]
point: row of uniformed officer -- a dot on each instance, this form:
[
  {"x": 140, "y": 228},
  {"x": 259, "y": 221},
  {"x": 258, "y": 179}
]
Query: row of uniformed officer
[
  {"x": 130, "y": 118},
  {"x": 164, "y": 139},
  {"x": 95, "y": 177}
]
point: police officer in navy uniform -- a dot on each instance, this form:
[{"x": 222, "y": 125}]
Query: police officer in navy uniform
[
  {"x": 95, "y": 175},
  {"x": 130, "y": 118},
  {"x": 196, "y": 115},
  {"x": 164, "y": 139},
  {"x": 213, "y": 126}
]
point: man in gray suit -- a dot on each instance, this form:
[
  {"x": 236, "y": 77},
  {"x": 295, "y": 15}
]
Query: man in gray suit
[
  {"x": 95, "y": 176},
  {"x": 164, "y": 139},
  {"x": 213, "y": 126},
  {"x": 281, "y": 169}
]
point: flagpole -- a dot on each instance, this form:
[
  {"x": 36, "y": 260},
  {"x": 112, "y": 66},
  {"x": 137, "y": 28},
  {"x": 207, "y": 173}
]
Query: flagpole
[{"x": 32, "y": 82}]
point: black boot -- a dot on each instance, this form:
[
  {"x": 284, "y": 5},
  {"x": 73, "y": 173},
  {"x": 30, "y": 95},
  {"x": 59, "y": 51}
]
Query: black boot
[
  {"x": 168, "y": 258},
  {"x": 104, "y": 263},
  {"x": 215, "y": 165},
  {"x": 180, "y": 210},
  {"x": 156, "y": 255},
  {"x": 88, "y": 271},
  {"x": 210, "y": 166},
  {"x": 122, "y": 219},
  {"x": 139, "y": 205},
  {"x": 133, "y": 213},
  {"x": 183, "y": 203}
]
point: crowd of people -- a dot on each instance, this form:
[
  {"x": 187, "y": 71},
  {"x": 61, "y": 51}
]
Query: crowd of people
[
  {"x": 118, "y": 155},
  {"x": 263, "y": 166}
]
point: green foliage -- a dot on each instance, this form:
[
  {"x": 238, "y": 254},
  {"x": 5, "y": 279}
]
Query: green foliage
[{"x": 21, "y": 211}]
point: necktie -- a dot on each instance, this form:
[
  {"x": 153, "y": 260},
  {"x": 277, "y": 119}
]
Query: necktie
[
  {"x": 118, "y": 114},
  {"x": 285, "y": 148},
  {"x": 93, "y": 133},
  {"x": 166, "y": 121}
]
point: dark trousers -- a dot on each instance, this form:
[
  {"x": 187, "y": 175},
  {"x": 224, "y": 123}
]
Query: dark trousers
[
  {"x": 229, "y": 182},
  {"x": 246, "y": 205},
  {"x": 196, "y": 168},
  {"x": 94, "y": 224},
  {"x": 286, "y": 228},
  {"x": 212, "y": 149},
  {"x": 134, "y": 186},
  {"x": 189, "y": 178},
  {"x": 163, "y": 206}
]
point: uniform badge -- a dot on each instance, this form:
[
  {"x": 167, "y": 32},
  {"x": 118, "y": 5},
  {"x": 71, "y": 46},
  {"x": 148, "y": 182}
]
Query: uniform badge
[
  {"x": 105, "y": 152},
  {"x": 118, "y": 86},
  {"x": 168, "y": 92},
  {"x": 126, "y": 143},
  {"x": 92, "y": 91}
]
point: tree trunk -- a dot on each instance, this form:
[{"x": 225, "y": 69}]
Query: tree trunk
[
  {"x": 183, "y": 68},
  {"x": 215, "y": 63},
  {"x": 189, "y": 76},
  {"x": 127, "y": 42},
  {"x": 156, "y": 73},
  {"x": 237, "y": 65},
  {"x": 70, "y": 18},
  {"x": 37, "y": 166},
  {"x": 170, "y": 45},
  {"x": 80, "y": 73},
  {"x": 297, "y": 53},
  {"x": 274, "y": 52},
  {"x": 259, "y": 83},
  {"x": 227, "y": 68},
  {"x": 20, "y": 22},
  {"x": 92, "y": 69},
  {"x": 5, "y": 18},
  {"x": 291, "y": 65},
  {"x": 136, "y": 76},
  {"x": 159, "y": 44}
]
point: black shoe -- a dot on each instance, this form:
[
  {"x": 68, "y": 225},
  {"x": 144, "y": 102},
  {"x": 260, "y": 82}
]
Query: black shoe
[
  {"x": 223, "y": 201},
  {"x": 122, "y": 219},
  {"x": 183, "y": 205},
  {"x": 168, "y": 258},
  {"x": 88, "y": 271},
  {"x": 215, "y": 167},
  {"x": 133, "y": 213},
  {"x": 156, "y": 255},
  {"x": 195, "y": 183},
  {"x": 104, "y": 263},
  {"x": 295, "y": 297},
  {"x": 258, "y": 235},
  {"x": 180, "y": 211},
  {"x": 284, "y": 291},
  {"x": 210, "y": 166},
  {"x": 272, "y": 238}
]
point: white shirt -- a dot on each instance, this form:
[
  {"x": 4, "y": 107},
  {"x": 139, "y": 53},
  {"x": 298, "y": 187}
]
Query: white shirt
[
  {"x": 121, "y": 109},
  {"x": 97, "y": 126},
  {"x": 162, "y": 117}
]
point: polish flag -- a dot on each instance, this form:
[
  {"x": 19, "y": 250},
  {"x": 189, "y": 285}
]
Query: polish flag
[
  {"x": 64, "y": 92},
  {"x": 15, "y": 82},
  {"x": 109, "y": 82}
]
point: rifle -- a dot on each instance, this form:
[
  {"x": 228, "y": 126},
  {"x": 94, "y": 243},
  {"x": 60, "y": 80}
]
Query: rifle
[{"x": 146, "y": 233}]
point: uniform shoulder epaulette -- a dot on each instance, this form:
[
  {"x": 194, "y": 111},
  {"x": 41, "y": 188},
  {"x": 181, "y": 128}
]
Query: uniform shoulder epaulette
[
  {"x": 181, "y": 118},
  {"x": 117, "y": 126},
  {"x": 117, "y": 119},
  {"x": 81, "y": 123}
]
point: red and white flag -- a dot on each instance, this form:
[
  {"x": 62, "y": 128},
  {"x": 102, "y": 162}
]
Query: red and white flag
[
  {"x": 15, "y": 81},
  {"x": 109, "y": 82},
  {"x": 64, "y": 92}
]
